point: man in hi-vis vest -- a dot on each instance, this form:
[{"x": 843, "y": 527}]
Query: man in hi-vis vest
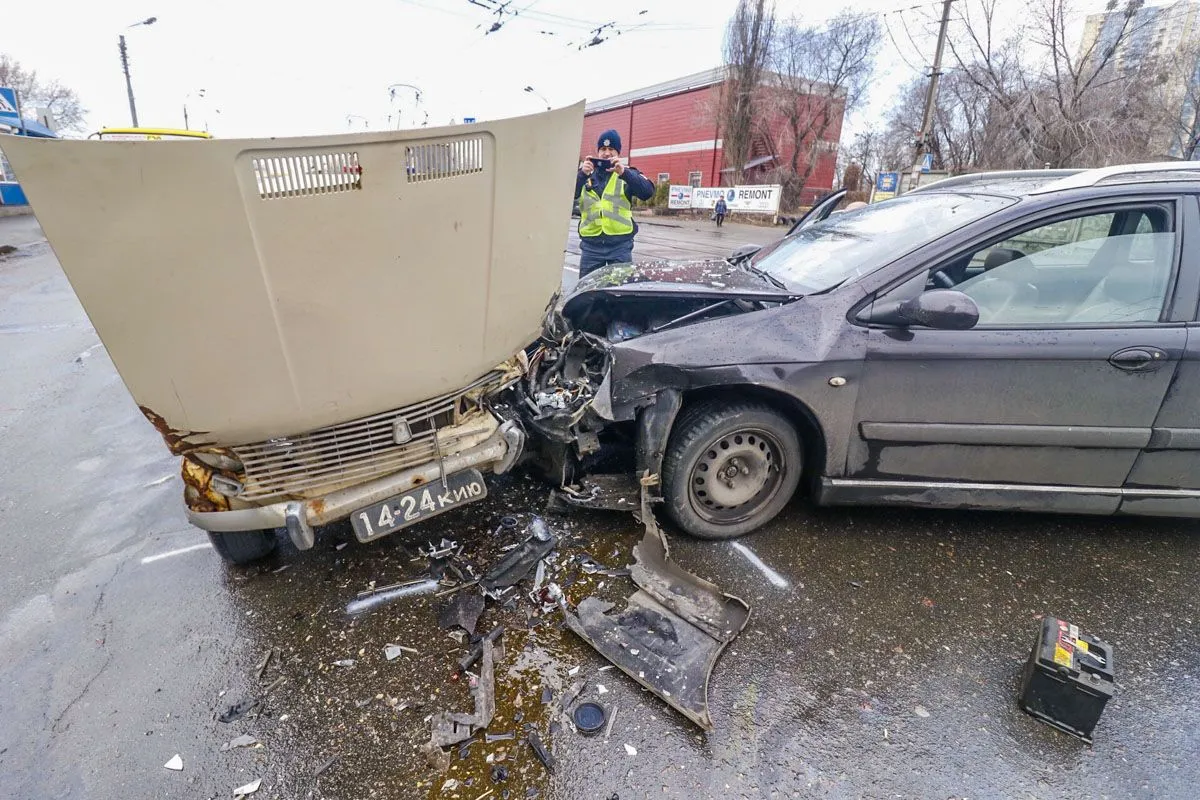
[{"x": 606, "y": 188}]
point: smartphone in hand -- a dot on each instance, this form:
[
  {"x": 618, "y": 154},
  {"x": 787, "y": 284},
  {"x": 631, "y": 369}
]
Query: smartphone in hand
[{"x": 600, "y": 163}]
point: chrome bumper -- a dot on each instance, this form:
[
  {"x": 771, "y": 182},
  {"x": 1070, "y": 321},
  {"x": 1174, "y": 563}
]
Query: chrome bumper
[{"x": 499, "y": 452}]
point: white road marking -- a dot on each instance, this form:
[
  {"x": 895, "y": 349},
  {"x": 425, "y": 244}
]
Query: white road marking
[
  {"x": 179, "y": 552},
  {"x": 774, "y": 577}
]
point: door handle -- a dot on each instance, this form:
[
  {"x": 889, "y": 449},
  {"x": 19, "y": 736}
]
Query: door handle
[{"x": 1137, "y": 359}]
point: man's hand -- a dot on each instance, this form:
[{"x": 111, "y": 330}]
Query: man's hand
[
  {"x": 587, "y": 167},
  {"x": 617, "y": 165}
]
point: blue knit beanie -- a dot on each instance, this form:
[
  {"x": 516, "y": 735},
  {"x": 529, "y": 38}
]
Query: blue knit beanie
[{"x": 610, "y": 138}]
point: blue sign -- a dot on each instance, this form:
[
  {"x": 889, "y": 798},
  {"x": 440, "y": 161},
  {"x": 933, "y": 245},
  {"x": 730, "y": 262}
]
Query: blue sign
[
  {"x": 468, "y": 120},
  {"x": 887, "y": 181},
  {"x": 8, "y": 107},
  {"x": 927, "y": 162}
]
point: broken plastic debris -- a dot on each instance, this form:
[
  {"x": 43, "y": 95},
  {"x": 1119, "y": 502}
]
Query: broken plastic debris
[
  {"x": 345, "y": 662},
  {"x": 630, "y": 749},
  {"x": 518, "y": 563},
  {"x": 573, "y": 671},
  {"x": 239, "y": 709},
  {"x": 451, "y": 728},
  {"x": 325, "y": 766},
  {"x": 241, "y": 741},
  {"x": 249, "y": 788},
  {"x": 392, "y": 652},
  {"x": 176, "y": 763},
  {"x": 600, "y": 689},
  {"x": 444, "y": 549},
  {"x": 462, "y": 610},
  {"x": 921, "y": 711},
  {"x": 700, "y": 618},
  {"x": 540, "y": 751},
  {"x": 451, "y": 785},
  {"x": 612, "y": 718}
]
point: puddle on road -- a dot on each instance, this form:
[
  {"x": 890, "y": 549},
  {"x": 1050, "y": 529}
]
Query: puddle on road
[{"x": 373, "y": 713}]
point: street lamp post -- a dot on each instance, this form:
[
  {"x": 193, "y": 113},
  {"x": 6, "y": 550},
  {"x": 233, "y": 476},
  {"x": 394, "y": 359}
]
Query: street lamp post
[
  {"x": 416, "y": 99},
  {"x": 534, "y": 92},
  {"x": 125, "y": 66}
]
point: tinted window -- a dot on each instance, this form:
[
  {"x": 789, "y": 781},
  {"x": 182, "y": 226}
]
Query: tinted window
[{"x": 855, "y": 243}]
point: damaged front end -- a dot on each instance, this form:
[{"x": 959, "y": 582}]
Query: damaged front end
[{"x": 599, "y": 400}]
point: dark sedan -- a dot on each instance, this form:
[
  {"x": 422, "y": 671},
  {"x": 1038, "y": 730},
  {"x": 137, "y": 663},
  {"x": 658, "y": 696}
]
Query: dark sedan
[{"x": 1013, "y": 342}]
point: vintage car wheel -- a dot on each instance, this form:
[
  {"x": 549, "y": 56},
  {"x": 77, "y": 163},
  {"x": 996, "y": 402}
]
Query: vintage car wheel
[
  {"x": 243, "y": 547},
  {"x": 729, "y": 468}
]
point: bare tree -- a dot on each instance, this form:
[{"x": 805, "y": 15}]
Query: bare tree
[
  {"x": 62, "y": 103},
  {"x": 1175, "y": 89},
  {"x": 818, "y": 73},
  {"x": 748, "y": 44},
  {"x": 1065, "y": 108}
]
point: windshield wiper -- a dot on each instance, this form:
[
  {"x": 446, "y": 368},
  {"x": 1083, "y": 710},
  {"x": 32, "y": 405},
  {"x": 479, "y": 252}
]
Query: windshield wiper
[{"x": 753, "y": 270}]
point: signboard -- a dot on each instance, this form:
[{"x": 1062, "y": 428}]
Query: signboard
[
  {"x": 679, "y": 197},
  {"x": 8, "y": 107},
  {"x": 927, "y": 162},
  {"x": 886, "y": 185},
  {"x": 468, "y": 120},
  {"x": 747, "y": 199}
]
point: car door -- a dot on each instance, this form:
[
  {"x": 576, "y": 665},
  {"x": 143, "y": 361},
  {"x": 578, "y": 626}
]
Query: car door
[
  {"x": 1166, "y": 477},
  {"x": 1057, "y": 385}
]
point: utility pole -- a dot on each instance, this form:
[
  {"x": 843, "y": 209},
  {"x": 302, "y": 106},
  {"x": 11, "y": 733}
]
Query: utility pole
[
  {"x": 125, "y": 66},
  {"x": 128, "y": 82},
  {"x": 931, "y": 95}
]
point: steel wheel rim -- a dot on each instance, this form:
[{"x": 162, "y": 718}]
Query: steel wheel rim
[{"x": 751, "y": 459}]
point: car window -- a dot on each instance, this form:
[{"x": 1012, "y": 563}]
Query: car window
[
  {"x": 857, "y": 242},
  {"x": 1111, "y": 268}
]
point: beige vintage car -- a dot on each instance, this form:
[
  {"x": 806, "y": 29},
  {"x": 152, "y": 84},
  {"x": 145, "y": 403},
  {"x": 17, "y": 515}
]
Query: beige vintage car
[{"x": 315, "y": 324}]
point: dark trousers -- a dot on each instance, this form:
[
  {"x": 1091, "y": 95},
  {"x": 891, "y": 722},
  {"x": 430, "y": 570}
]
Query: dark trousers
[
  {"x": 593, "y": 255},
  {"x": 720, "y": 219}
]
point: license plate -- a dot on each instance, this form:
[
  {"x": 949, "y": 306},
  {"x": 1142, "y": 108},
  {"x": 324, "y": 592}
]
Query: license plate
[{"x": 418, "y": 504}]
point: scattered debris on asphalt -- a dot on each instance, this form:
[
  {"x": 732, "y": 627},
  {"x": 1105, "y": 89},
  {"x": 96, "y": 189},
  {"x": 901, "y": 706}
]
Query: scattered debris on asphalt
[
  {"x": 630, "y": 749},
  {"x": 345, "y": 662},
  {"x": 447, "y": 548},
  {"x": 176, "y": 763},
  {"x": 462, "y": 610},
  {"x": 612, "y": 718},
  {"x": 239, "y": 709},
  {"x": 539, "y": 750},
  {"x": 241, "y": 741},
  {"x": 476, "y": 653},
  {"x": 262, "y": 666},
  {"x": 672, "y": 629},
  {"x": 449, "y": 728},
  {"x": 518, "y": 563},
  {"x": 249, "y": 788}
]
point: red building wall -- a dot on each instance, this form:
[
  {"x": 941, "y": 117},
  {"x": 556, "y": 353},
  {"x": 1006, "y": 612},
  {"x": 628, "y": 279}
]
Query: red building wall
[
  {"x": 685, "y": 118},
  {"x": 689, "y": 119}
]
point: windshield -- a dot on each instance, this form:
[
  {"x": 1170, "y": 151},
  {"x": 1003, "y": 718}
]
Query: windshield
[{"x": 854, "y": 243}]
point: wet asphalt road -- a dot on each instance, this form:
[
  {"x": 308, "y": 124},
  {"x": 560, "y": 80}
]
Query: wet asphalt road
[{"x": 882, "y": 662}]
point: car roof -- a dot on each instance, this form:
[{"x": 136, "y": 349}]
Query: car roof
[{"x": 1022, "y": 183}]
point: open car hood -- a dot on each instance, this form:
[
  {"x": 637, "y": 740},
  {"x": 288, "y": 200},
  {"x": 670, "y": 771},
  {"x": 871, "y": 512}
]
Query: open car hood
[{"x": 254, "y": 288}]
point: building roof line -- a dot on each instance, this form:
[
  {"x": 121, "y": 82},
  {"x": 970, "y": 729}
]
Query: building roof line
[{"x": 686, "y": 83}]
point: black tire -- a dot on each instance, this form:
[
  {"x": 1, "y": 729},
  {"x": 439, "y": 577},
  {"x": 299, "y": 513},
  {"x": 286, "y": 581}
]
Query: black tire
[
  {"x": 243, "y": 547},
  {"x": 753, "y": 451}
]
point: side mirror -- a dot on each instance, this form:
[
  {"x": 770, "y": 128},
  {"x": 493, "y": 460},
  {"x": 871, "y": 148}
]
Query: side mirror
[
  {"x": 942, "y": 309},
  {"x": 744, "y": 253}
]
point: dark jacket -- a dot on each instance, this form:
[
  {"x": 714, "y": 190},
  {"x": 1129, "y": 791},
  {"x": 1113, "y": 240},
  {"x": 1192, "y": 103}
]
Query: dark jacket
[
  {"x": 721, "y": 208},
  {"x": 636, "y": 185}
]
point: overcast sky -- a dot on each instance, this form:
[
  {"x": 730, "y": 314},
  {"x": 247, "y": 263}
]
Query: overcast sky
[{"x": 272, "y": 68}]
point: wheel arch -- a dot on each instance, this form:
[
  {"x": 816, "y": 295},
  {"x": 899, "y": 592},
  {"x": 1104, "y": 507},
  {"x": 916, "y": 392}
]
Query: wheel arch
[{"x": 812, "y": 436}]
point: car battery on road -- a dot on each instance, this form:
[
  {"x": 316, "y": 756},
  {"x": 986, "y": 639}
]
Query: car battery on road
[{"x": 1068, "y": 678}]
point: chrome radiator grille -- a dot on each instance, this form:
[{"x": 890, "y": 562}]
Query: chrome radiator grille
[{"x": 351, "y": 452}]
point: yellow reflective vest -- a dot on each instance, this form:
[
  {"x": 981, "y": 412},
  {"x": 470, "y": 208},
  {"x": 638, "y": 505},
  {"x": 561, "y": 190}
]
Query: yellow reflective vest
[{"x": 608, "y": 213}]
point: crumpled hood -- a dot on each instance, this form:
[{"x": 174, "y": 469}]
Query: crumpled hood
[
  {"x": 255, "y": 288},
  {"x": 713, "y": 277}
]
